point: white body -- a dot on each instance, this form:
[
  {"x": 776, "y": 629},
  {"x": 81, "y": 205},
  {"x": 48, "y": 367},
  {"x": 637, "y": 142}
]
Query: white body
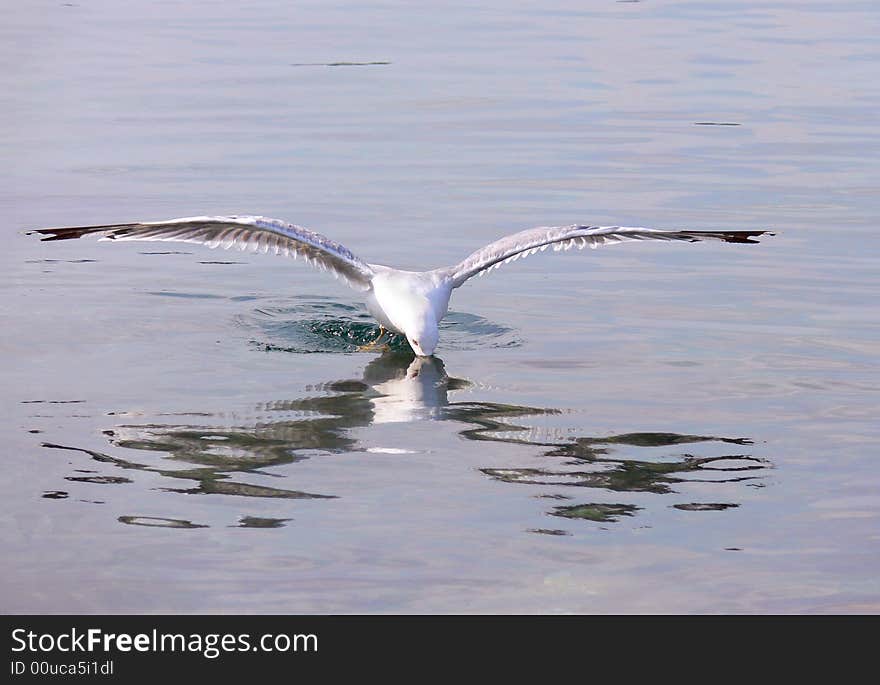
[{"x": 411, "y": 303}]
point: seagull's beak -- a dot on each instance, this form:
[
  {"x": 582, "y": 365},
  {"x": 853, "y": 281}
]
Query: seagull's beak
[{"x": 417, "y": 348}]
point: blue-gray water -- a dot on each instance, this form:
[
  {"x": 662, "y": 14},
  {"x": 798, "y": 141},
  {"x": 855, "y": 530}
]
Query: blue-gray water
[{"x": 641, "y": 428}]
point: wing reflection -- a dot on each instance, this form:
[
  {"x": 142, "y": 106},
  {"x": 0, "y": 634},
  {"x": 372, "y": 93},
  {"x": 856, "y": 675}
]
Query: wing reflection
[{"x": 204, "y": 453}]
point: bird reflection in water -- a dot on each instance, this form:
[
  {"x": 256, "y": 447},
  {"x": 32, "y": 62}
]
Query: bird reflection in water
[{"x": 398, "y": 387}]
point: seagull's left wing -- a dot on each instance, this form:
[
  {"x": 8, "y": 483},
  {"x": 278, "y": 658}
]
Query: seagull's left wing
[
  {"x": 254, "y": 233},
  {"x": 522, "y": 244}
]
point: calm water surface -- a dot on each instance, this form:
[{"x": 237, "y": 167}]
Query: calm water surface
[{"x": 648, "y": 428}]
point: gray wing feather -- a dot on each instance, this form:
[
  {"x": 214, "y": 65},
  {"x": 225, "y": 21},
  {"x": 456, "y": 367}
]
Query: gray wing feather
[
  {"x": 525, "y": 243},
  {"x": 253, "y": 233}
]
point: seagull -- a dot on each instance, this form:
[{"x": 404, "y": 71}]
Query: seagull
[{"x": 411, "y": 303}]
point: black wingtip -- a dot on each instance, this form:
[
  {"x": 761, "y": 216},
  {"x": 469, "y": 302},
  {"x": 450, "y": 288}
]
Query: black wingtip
[
  {"x": 73, "y": 232},
  {"x": 732, "y": 236},
  {"x": 55, "y": 234},
  {"x": 744, "y": 236}
]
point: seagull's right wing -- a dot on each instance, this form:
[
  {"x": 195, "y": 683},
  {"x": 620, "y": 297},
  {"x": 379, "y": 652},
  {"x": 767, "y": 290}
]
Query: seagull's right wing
[
  {"x": 522, "y": 244},
  {"x": 254, "y": 233}
]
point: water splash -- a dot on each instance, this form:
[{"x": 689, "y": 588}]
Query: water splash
[{"x": 315, "y": 324}]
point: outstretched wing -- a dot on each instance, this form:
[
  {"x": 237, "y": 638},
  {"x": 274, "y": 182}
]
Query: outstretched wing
[
  {"x": 522, "y": 244},
  {"x": 254, "y": 233}
]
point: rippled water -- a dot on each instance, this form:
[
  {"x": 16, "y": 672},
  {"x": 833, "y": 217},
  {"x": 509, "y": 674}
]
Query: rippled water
[
  {"x": 643, "y": 428},
  {"x": 318, "y": 324}
]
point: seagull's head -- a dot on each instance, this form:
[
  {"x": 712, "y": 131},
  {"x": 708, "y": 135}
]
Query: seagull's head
[
  {"x": 420, "y": 329},
  {"x": 423, "y": 339}
]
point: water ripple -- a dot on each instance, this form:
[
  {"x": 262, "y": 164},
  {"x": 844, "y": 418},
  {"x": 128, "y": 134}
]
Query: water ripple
[
  {"x": 314, "y": 324},
  {"x": 223, "y": 453}
]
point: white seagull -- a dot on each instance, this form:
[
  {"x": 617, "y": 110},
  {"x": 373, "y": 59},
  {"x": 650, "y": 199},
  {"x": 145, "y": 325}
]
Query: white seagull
[{"x": 408, "y": 302}]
